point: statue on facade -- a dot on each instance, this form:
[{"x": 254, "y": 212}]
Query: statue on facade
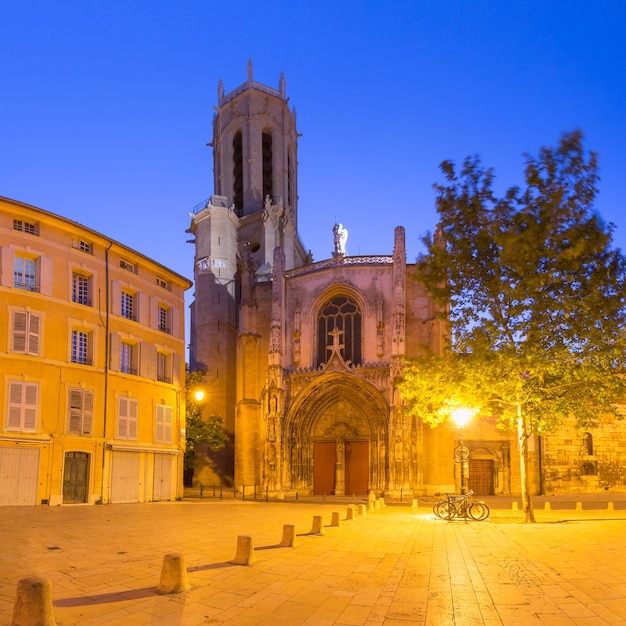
[{"x": 341, "y": 237}]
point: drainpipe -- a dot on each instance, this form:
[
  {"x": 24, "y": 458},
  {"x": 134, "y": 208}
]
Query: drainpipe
[{"x": 107, "y": 348}]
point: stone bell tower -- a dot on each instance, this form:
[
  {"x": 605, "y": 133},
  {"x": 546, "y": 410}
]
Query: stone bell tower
[{"x": 254, "y": 210}]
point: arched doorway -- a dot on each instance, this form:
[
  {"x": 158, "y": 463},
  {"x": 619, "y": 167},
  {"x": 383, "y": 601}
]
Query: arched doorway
[
  {"x": 335, "y": 437},
  {"x": 482, "y": 471}
]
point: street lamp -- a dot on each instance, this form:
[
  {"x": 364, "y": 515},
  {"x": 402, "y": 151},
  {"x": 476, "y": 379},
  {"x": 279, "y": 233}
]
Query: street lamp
[
  {"x": 198, "y": 395},
  {"x": 460, "y": 416}
]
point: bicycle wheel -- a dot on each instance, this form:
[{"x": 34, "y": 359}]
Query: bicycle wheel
[
  {"x": 479, "y": 511},
  {"x": 443, "y": 510}
]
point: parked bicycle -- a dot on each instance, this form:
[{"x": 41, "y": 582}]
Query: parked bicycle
[{"x": 460, "y": 506}]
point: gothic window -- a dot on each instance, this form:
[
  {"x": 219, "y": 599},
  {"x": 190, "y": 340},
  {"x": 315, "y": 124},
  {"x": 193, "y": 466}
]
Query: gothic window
[
  {"x": 237, "y": 172},
  {"x": 588, "y": 444},
  {"x": 267, "y": 165},
  {"x": 343, "y": 314}
]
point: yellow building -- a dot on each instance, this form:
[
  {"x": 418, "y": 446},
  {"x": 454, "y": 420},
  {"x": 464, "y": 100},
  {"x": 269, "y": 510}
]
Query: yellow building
[{"x": 91, "y": 366}]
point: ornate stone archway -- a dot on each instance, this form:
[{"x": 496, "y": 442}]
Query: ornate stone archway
[{"x": 341, "y": 410}]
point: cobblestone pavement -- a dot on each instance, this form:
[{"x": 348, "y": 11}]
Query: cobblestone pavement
[{"x": 394, "y": 566}]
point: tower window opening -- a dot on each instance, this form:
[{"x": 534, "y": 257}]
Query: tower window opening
[
  {"x": 343, "y": 314},
  {"x": 237, "y": 171},
  {"x": 267, "y": 165}
]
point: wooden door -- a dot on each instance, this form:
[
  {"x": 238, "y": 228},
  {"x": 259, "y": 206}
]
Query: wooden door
[
  {"x": 357, "y": 467},
  {"x": 75, "y": 475},
  {"x": 324, "y": 459},
  {"x": 480, "y": 479}
]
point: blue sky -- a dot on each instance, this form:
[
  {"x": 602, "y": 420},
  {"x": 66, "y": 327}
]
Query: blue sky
[{"x": 107, "y": 105}]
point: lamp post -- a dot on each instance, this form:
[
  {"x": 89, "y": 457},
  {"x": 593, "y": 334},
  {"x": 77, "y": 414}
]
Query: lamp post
[{"x": 460, "y": 417}]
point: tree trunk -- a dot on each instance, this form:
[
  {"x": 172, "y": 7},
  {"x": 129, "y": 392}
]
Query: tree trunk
[{"x": 522, "y": 438}]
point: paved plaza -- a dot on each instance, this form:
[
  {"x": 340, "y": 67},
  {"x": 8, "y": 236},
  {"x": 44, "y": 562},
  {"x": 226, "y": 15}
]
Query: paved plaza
[{"x": 395, "y": 566}]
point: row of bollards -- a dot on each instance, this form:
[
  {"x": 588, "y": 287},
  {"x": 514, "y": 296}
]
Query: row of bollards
[
  {"x": 33, "y": 601},
  {"x": 548, "y": 507}
]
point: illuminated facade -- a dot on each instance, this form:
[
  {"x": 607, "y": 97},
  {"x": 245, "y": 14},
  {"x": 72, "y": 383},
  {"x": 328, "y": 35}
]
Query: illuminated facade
[
  {"x": 302, "y": 357},
  {"x": 92, "y": 360}
]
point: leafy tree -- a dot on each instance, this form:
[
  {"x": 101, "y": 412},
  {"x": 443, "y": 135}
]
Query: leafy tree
[
  {"x": 533, "y": 292},
  {"x": 199, "y": 430}
]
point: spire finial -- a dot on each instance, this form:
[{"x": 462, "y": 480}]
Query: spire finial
[
  {"x": 249, "y": 71},
  {"x": 282, "y": 86},
  {"x": 220, "y": 91}
]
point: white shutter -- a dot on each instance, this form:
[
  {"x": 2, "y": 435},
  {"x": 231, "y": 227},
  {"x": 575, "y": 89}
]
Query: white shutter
[
  {"x": 76, "y": 403},
  {"x": 30, "y": 406},
  {"x": 167, "y": 425},
  {"x": 33, "y": 334},
  {"x": 19, "y": 331},
  {"x": 6, "y": 274},
  {"x": 87, "y": 411},
  {"x": 175, "y": 364},
  {"x": 114, "y": 349},
  {"x": 154, "y": 312},
  {"x": 15, "y": 406},
  {"x": 141, "y": 300},
  {"x": 160, "y": 418},
  {"x": 147, "y": 367},
  {"x": 175, "y": 321},
  {"x": 122, "y": 418},
  {"x": 45, "y": 276},
  {"x": 116, "y": 297},
  {"x": 132, "y": 418}
]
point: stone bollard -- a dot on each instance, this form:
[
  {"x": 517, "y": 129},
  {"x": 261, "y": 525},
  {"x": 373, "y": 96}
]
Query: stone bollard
[
  {"x": 173, "y": 574},
  {"x": 33, "y": 603},
  {"x": 316, "y": 529},
  {"x": 546, "y": 506},
  {"x": 382, "y": 503},
  {"x": 245, "y": 551},
  {"x": 361, "y": 510},
  {"x": 371, "y": 497},
  {"x": 350, "y": 513},
  {"x": 579, "y": 506},
  {"x": 414, "y": 503},
  {"x": 334, "y": 520},
  {"x": 377, "y": 503},
  {"x": 371, "y": 507},
  {"x": 610, "y": 506},
  {"x": 514, "y": 506},
  {"x": 289, "y": 537}
]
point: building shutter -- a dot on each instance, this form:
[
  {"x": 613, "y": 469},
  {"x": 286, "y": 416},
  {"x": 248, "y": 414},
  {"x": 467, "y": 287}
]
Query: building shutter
[
  {"x": 132, "y": 418},
  {"x": 20, "y": 319},
  {"x": 115, "y": 352},
  {"x": 76, "y": 402},
  {"x": 122, "y": 418},
  {"x": 33, "y": 334},
  {"x": 87, "y": 412},
  {"x": 6, "y": 275},
  {"x": 45, "y": 273},
  {"x": 22, "y": 406},
  {"x": 15, "y": 406}
]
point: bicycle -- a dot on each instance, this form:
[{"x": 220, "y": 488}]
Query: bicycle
[{"x": 460, "y": 506}]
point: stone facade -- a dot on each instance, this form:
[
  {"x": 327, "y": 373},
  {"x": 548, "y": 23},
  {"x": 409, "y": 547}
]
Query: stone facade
[{"x": 302, "y": 357}]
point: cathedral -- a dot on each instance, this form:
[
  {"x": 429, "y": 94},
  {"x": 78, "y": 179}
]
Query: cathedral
[{"x": 302, "y": 357}]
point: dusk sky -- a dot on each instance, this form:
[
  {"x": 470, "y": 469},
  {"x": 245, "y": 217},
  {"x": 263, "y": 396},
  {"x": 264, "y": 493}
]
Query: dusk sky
[{"x": 107, "y": 105}]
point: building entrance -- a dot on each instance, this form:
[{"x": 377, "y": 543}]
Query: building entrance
[
  {"x": 75, "y": 475},
  {"x": 335, "y": 464}
]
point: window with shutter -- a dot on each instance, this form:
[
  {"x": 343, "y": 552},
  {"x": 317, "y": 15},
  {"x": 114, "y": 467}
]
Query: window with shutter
[
  {"x": 163, "y": 424},
  {"x": 26, "y": 326},
  {"x": 81, "y": 411},
  {"x": 127, "y": 418},
  {"x": 22, "y": 406}
]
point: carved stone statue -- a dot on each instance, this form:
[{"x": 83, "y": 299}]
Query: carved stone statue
[{"x": 341, "y": 237}]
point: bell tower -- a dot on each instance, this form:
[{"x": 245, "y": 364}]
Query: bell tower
[{"x": 254, "y": 210}]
